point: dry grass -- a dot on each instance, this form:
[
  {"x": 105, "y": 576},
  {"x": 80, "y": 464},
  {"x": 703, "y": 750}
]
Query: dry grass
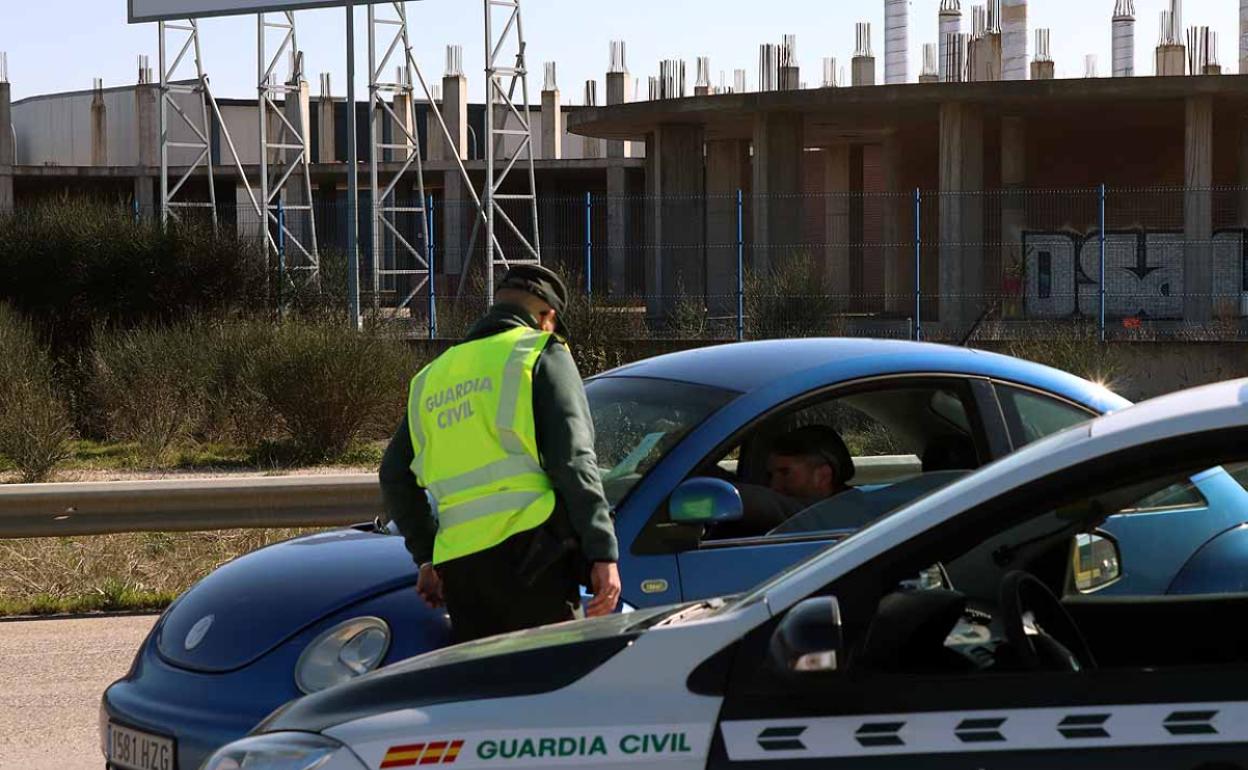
[{"x": 116, "y": 572}]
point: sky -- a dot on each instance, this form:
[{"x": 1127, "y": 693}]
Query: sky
[{"x": 62, "y": 45}]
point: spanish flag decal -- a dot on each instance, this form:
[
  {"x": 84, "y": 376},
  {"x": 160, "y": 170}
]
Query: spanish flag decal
[{"x": 411, "y": 755}]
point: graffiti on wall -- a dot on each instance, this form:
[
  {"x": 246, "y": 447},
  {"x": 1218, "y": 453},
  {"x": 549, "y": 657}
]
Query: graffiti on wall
[{"x": 1143, "y": 273}]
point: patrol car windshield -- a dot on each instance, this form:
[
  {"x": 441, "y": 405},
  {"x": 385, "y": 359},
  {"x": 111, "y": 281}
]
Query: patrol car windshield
[{"x": 637, "y": 421}]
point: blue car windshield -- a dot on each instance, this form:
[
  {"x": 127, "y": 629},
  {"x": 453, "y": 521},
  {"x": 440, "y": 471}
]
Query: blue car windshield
[{"x": 637, "y": 421}]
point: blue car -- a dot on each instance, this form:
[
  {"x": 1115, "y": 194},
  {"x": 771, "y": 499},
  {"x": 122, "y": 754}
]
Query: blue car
[{"x": 302, "y": 616}]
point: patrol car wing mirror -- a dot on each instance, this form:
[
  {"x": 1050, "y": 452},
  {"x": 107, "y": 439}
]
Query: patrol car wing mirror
[
  {"x": 1096, "y": 562},
  {"x": 809, "y": 640},
  {"x": 701, "y": 501}
]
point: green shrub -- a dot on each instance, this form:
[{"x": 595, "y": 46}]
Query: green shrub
[
  {"x": 152, "y": 385},
  {"x": 35, "y": 428},
  {"x": 786, "y": 301},
  {"x": 75, "y": 266},
  {"x": 331, "y": 385}
]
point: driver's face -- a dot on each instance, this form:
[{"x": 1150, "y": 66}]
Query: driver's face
[{"x": 803, "y": 478}]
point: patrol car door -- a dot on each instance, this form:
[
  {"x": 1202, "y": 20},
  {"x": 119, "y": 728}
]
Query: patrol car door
[
  {"x": 907, "y": 435},
  {"x": 923, "y": 675}
]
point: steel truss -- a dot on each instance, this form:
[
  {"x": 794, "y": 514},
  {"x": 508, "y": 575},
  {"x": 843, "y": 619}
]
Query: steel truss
[
  {"x": 515, "y": 127},
  {"x": 184, "y": 38},
  {"x": 291, "y": 145},
  {"x": 404, "y": 149}
]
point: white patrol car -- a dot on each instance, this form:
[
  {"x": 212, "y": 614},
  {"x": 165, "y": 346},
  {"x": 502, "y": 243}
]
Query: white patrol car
[{"x": 966, "y": 628}]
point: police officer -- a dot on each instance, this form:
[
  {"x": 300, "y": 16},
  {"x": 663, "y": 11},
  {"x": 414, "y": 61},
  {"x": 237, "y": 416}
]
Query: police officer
[{"x": 498, "y": 432}]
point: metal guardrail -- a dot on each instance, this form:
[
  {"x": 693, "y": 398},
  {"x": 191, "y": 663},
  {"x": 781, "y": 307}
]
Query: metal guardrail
[{"x": 181, "y": 505}]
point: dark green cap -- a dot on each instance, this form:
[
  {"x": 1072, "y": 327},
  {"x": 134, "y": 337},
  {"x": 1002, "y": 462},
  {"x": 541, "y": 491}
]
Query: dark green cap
[{"x": 543, "y": 283}]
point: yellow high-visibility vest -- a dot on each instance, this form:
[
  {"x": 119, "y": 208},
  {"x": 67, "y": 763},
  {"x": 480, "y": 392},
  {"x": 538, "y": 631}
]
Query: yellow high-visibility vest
[{"x": 475, "y": 441}]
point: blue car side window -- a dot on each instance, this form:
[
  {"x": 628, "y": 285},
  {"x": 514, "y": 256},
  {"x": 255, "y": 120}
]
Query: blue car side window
[{"x": 1032, "y": 416}]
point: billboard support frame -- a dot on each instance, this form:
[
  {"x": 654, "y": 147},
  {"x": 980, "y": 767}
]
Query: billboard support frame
[
  {"x": 170, "y": 202},
  {"x": 291, "y": 142},
  {"x": 386, "y": 206}
]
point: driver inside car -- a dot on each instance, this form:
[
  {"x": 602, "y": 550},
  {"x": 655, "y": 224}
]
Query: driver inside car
[{"x": 804, "y": 466}]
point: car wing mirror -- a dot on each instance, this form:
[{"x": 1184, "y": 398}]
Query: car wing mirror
[
  {"x": 701, "y": 501},
  {"x": 1096, "y": 562},
  {"x": 809, "y": 640}
]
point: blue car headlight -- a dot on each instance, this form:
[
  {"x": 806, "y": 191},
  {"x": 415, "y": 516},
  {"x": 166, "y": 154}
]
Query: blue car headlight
[
  {"x": 350, "y": 649},
  {"x": 284, "y": 751}
]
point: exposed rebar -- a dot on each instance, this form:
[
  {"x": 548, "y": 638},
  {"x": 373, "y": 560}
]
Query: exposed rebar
[
  {"x": 862, "y": 46},
  {"x": 618, "y": 63},
  {"x": 1044, "y": 39},
  {"x": 454, "y": 61},
  {"x": 704, "y": 72}
]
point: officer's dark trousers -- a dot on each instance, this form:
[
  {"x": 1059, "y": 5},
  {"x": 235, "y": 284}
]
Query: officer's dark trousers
[{"x": 486, "y": 595}]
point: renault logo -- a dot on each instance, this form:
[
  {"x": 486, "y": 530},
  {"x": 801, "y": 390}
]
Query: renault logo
[{"x": 198, "y": 632}]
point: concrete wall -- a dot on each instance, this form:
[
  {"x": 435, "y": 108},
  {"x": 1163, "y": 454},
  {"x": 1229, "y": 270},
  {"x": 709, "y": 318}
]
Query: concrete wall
[{"x": 55, "y": 130}]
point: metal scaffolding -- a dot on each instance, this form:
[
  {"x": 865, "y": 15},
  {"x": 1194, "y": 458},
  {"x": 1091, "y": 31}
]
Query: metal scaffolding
[
  {"x": 509, "y": 141},
  {"x": 388, "y": 208},
  {"x": 184, "y": 38},
  {"x": 285, "y": 152}
]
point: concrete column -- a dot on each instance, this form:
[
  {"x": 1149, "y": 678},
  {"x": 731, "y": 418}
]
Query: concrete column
[
  {"x": 145, "y": 193},
  {"x": 779, "y": 141},
  {"x": 99, "y": 130},
  {"x": 675, "y": 259},
  {"x": 327, "y": 130},
  {"x": 1171, "y": 61},
  {"x": 617, "y": 93},
  {"x": 790, "y": 78},
  {"x": 898, "y": 259},
  {"x": 406, "y": 122},
  {"x": 701, "y": 90},
  {"x": 863, "y": 71},
  {"x": 552, "y": 125},
  {"x": 727, "y": 172},
  {"x": 248, "y": 225},
  {"x": 1043, "y": 70},
  {"x": 591, "y": 148},
  {"x": 929, "y": 78},
  {"x": 961, "y": 215},
  {"x": 986, "y": 59},
  {"x": 1198, "y": 212},
  {"x": 147, "y": 130},
  {"x": 8, "y": 153},
  {"x": 1013, "y": 207},
  {"x": 147, "y": 125},
  {"x": 838, "y": 187},
  {"x": 457, "y": 213},
  {"x": 455, "y": 113},
  {"x": 619, "y": 230}
]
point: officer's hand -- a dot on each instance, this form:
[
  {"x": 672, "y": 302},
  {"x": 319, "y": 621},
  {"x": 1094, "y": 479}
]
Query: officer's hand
[
  {"x": 429, "y": 586},
  {"x": 605, "y": 581}
]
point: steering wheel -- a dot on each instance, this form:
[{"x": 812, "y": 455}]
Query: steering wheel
[{"x": 1058, "y": 642}]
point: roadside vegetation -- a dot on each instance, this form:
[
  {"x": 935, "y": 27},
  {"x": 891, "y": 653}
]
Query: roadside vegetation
[{"x": 116, "y": 573}]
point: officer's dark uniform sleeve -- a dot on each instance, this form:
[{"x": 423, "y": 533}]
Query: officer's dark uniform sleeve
[
  {"x": 565, "y": 438},
  {"x": 404, "y": 498}
]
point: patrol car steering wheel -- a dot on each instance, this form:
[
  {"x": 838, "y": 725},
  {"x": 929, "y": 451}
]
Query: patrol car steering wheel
[{"x": 1057, "y": 641}]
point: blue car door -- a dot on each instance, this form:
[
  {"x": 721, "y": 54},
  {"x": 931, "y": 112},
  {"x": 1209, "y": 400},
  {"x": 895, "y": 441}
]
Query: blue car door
[{"x": 735, "y": 566}]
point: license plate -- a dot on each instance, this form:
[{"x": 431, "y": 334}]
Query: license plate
[{"x": 136, "y": 750}]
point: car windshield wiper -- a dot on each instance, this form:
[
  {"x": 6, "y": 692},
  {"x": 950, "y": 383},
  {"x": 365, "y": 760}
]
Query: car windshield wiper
[{"x": 689, "y": 613}]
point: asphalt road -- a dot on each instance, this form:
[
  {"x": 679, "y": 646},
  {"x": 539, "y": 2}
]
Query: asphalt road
[{"x": 52, "y": 675}]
